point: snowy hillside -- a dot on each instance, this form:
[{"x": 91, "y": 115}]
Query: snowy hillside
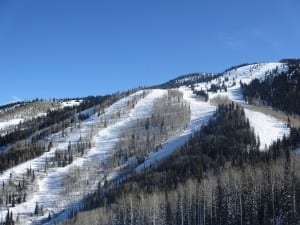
[
  {"x": 12, "y": 116},
  {"x": 266, "y": 127},
  {"x": 87, "y": 154}
]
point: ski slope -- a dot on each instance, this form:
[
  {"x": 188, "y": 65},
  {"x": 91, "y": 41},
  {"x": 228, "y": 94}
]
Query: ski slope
[
  {"x": 9, "y": 120},
  {"x": 48, "y": 185},
  {"x": 200, "y": 114},
  {"x": 266, "y": 127},
  {"x": 49, "y": 189}
]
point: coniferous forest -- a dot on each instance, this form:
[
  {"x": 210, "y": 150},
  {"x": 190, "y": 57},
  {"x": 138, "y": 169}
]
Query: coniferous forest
[
  {"x": 218, "y": 177},
  {"x": 280, "y": 90},
  {"x": 220, "y": 172},
  {"x": 22, "y": 148},
  {"x": 149, "y": 112}
]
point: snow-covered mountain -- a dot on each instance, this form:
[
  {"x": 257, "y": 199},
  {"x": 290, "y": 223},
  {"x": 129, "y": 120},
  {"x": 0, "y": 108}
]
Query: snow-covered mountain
[
  {"x": 81, "y": 155},
  {"x": 13, "y": 114}
]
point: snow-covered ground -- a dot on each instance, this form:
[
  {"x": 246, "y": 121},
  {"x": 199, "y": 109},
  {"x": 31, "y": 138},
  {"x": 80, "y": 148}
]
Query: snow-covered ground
[
  {"x": 268, "y": 128},
  {"x": 245, "y": 74},
  {"x": 48, "y": 186},
  {"x": 9, "y": 123},
  {"x": 70, "y": 103},
  {"x": 200, "y": 114}
]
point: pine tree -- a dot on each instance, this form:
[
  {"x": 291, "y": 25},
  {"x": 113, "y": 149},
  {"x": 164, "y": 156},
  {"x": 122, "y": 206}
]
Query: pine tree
[
  {"x": 36, "y": 209},
  {"x": 286, "y": 211}
]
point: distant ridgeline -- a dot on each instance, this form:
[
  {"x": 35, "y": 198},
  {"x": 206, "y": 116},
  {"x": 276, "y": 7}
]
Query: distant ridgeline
[
  {"x": 238, "y": 66},
  {"x": 188, "y": 79},
  {"x": 11, "y": 105}
]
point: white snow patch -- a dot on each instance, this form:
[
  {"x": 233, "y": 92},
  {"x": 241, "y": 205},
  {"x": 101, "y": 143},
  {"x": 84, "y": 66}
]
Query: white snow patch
[
  {"x": 268, "y": 128},
  {"x": 12, "y": 122},
  {"x": 70, "y": 103}
]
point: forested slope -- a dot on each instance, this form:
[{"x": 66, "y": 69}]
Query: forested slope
[
  {"x": 206, "y": 182},
  {"x": 280, "y": 90}
]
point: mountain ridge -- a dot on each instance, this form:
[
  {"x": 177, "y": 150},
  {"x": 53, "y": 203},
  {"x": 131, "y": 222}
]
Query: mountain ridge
[{"x": 77, "y": 145}]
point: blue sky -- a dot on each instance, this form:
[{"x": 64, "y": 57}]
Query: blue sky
[{"x": 67, "y": 48}]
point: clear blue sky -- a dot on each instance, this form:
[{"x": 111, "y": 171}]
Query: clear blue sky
[{"x": 65, "y": 48}]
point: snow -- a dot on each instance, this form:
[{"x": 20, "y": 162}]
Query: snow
[
  {"x": 255, "y": 71},
  {"x": 48, "y": 185},
  {"x": 48, "y": 189},
  {"x": 12, "y": 122},
  {"x": 41, "y": 114},
  {"x": 268, "y": 128},
  {"x": 247, "y": 74},
  {"x": 200, "y": 114},
  {"x": 70, "y": 103},
  {"x": 8, "y": 126},
  {"x": 106, "y": 139}
]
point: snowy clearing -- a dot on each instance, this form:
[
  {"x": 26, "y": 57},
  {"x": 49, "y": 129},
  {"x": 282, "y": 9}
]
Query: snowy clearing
[
  {"x": 13, "y": 122},
  {"x": 267, "y": 128}
]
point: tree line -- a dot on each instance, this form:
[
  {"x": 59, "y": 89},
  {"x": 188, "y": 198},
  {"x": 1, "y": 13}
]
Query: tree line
[
  {"x": 218, "y": 177},
  {"x": 280, "y": 90}
]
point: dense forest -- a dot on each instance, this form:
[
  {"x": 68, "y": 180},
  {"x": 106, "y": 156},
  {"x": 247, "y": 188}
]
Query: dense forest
[
  {"x": 217, "y": 177},
  {"x": 280, "y": 90}
]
